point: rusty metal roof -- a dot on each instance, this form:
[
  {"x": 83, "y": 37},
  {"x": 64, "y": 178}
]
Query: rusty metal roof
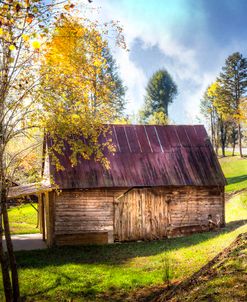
[{"x": 147, "y": 156}]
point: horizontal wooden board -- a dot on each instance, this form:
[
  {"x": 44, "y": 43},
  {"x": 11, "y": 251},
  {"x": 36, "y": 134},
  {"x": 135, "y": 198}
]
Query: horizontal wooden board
[
  {"x": 84, "y": 211},
  {"x": 82, "y": 238}
]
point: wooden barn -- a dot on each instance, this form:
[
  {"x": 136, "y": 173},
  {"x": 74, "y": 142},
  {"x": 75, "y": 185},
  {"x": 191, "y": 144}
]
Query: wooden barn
[{"x": 164, "y": 181}]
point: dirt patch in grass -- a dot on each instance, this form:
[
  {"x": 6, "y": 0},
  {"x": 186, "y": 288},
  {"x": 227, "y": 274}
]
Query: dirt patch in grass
[{"x": 229, "y": 196}]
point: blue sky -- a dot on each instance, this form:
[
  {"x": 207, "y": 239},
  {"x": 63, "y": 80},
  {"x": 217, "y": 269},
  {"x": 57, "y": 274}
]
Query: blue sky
[{"x": 190, "y": 38}]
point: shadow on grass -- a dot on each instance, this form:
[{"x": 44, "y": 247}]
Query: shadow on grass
[
  {"x": 114, "y": 254},
  {"x": 236, "y": 179},
  {"x": 86, "y": 290}
]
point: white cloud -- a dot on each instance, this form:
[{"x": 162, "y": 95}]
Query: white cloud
[{"x": 134, "y": 78}]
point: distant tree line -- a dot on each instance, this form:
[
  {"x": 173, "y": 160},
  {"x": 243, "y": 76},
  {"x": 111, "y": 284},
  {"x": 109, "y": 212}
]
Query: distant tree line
[{"x": 224, "y": 104}]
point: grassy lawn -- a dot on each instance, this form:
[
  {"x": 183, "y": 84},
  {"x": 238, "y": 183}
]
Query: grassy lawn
[
  {"x": 23, "y": 219},
  {"x": 235, "y": 170},
  {"x": 113, "y": 272}
]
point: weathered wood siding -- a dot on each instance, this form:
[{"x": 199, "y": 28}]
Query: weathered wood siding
[
  {"x": 105, "y": 215},
  {"x": 190, "y": 209},
  {"x": 84, "y": 216},
  {"x": 152, "y": 213},
  {"x": 140, "y": 214}
]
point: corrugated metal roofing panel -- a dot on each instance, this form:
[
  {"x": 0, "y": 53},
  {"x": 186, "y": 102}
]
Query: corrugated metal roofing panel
[
  {"x": 143, "y": 139},
  {"x": 163, "y": 137},
  {"x": 147, "y": 156}
]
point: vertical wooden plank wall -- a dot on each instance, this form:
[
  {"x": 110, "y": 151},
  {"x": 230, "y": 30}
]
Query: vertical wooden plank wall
[
  {"x": 140, "y": 214},
  {"x": 41, "y": 209},
  {"x": 155, "y": 213},
  {"x": 43, "y": 215}
]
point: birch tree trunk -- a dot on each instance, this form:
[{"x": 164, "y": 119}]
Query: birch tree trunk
[{"x": 240, "y": 140}]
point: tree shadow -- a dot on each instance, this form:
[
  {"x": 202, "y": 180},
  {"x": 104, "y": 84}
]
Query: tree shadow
[
  {"x": 236, "y": 179},
  {"x": 62, "y": 280},
  {"x": 117, "y": 253}
]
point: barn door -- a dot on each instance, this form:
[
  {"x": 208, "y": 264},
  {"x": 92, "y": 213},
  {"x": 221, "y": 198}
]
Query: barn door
[{"x": 140, "y": 214}]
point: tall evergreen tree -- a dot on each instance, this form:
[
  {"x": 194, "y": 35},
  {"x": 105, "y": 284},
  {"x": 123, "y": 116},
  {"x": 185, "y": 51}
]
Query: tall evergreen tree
[
  {"x": 160, "y": 92},
  {"x": 118, "y": 90},
  {"x": 233, "y": 81}
]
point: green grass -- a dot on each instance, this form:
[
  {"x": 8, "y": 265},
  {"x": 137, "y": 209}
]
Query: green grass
[
  {"x": 235, "y": 170},
  {"x": 23, "y": 219},
  {"x": 113, "y": 272}
]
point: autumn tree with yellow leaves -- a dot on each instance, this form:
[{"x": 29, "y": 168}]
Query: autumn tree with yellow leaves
[
  {"x": 209, "y": 111},
  {"x": 216, "y": 107},
  {"x": 45, "y": 86},
  {"x": 76, "y": 91}
]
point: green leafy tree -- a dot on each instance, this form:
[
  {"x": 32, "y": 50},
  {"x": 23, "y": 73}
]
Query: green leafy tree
[
  {"x": 233, "y": 82},
  {"x": 160, "y": 92}
]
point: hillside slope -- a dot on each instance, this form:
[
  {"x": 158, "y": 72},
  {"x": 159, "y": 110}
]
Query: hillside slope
[{"x": 222, "y": 279}]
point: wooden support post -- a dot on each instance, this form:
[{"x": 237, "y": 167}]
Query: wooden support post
[
  {"x": 40, "y": 213},
  {"x": 43, "y": 216},
  {"x": 49, "y": 203}
]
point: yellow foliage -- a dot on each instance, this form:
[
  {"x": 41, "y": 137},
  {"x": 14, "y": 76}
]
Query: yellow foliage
[
  {"x": 221, "y": 101},
  {"x": 158, "y": 118},
  {"x": 213, "y": 89},
  {"x": 243, "y": 110},
  {"x": 25, "y": 37},
  {"x": 75, "y": 92},
  {"x": 36, "y": 44},
  {"x": 12, "y": 47}
]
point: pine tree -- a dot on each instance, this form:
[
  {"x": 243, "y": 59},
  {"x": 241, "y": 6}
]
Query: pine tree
[{"x": 160, "y": 92}]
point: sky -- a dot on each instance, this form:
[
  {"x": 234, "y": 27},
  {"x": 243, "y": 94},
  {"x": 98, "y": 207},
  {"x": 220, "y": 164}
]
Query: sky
[{"x": 189, "y": 38}]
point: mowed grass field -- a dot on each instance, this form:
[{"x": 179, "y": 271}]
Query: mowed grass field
[
  {"x": 119, "y": 272},
  {"x": 235, "y": 170},
  {"x": 23, "y": 219}
]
